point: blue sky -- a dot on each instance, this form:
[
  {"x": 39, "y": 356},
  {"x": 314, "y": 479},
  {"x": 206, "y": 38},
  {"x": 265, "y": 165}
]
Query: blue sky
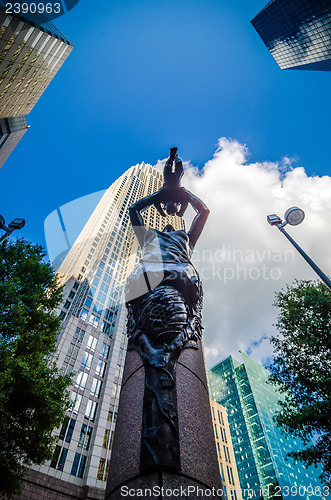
[{"x": 145, "y": 75}]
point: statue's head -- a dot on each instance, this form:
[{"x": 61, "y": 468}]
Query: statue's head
[{"x": 168, "y": 229}]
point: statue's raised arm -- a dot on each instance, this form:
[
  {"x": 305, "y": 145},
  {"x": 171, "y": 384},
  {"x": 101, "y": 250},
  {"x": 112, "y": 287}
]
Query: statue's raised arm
[
  {"x": 136, "y": 217},
  {"x": 171, "y": 199},
  {"x": 199, "y": 220}
]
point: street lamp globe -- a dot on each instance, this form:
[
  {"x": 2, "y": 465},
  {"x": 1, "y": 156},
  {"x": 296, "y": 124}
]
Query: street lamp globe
[{"x": 294, "y": 216}]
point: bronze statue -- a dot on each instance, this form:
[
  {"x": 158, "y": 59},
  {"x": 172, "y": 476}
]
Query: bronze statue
[{"x": 164, "y": 300}]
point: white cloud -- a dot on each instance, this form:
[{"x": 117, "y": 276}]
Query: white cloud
[{"x": 241, "y": 259}]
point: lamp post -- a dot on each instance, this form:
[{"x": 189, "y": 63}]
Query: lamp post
[
  {"x": 15, "y": 224},
  {"x": 295, "y": 216}
]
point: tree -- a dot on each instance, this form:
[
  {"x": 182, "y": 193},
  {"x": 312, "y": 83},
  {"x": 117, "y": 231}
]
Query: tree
[
  {"x": 33, "y": 394},
  {"x": 302, "y": 370}
]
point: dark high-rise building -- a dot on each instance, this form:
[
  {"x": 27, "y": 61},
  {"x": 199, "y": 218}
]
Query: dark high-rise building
[
  {"x": 297, "y": 33},
  {"x": 260, "y": 447},
  {"x": 32, "y": 50},
  {"x": 12, "y": 130}
]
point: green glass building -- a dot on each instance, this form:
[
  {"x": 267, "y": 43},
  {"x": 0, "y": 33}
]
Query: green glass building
[{"x": 260, "y": 447}]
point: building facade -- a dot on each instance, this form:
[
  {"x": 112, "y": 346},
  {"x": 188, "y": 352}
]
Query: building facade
[
  {"x": 225, "y": 453},
  {"x": 260, "y": 447},
  {"x": 32, "y": 50},
  {"x": 92, "y": 343},
  {"x": 297, "y": 33}
]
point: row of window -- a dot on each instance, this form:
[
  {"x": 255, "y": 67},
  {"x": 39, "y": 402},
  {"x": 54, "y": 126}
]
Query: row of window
[
  {"x": 59, "y": 459},
  {"x": 67, "y": 303},
  {"x": 67, "y": 431}
]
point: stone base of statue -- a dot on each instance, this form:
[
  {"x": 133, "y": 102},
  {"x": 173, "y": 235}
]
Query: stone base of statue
[{"x": 195, "y": 468}]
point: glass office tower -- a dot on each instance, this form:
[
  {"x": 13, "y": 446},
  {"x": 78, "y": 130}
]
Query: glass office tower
[
  {"x": 32, "y": 50},
  {"x": 260, "y": 447},
  {"x": 297, "y": 33},
  {"x": 92, "y": 343}
]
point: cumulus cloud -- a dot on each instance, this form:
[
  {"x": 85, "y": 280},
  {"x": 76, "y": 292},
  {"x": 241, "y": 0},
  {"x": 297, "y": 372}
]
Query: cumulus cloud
[{"x": 242, "y": 260}]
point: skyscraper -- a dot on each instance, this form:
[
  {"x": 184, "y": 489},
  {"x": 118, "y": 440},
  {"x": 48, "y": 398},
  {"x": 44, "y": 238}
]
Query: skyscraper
[
  {"x": 260, "y": 447},
  {"x": 297, "y": 33},
  {"x": 32, "y": 50},
  {"x": 225, "y": 453},
  {"x": 92, "y": 342}
]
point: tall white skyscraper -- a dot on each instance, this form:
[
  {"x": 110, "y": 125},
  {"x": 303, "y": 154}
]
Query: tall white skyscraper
[{"x": 92, "y": 343}]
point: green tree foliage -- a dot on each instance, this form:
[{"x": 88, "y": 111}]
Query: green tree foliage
[
  {"x": 33, "y": 394},
  {"x": 302, "y": 369}
]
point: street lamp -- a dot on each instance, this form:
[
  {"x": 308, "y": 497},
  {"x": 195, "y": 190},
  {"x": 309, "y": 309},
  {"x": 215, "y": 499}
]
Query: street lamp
[
  {"x": 295, "y": 216},
  {"x": 15, "y": 224}
]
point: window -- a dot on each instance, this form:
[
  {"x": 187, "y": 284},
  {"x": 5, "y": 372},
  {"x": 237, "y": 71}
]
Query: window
[
  {"x": 70, "y": 430},
  {"x": 71, "y": 295},
  {"x": 114, "y": 391},
  {"x": 78, "y": 335},
  {"x": 67, "y": 304},
  {"x": 97, "y": 308},
  {"x": 96, "y": 387},
  {"x": 72, "y": 352},
  {"x": 110, "y": 445},
  {"x": 226, "y": 453},
  {"x": 104, "y": 288},
  {"x": 94, "y": 320},
  {"x": 64, "y": 428},
  {"x": 221, "y": 471},
  {"x": 91, "y": 343},
  {"x": 62, "y": 315},
  {"x": 76, "y": 399},
  {"x": 81, "y": 467},
  {"x": 101, "y": 469},
  {"x": 106, "y": 439},
  {"x": 85, "y": 437},
  {"x": 76, "y": 285},
  {"x": 104, "y": 350},
  {"x": 101, "y": 298},
  {"x": 62, "y": 460},
  {"x": 84, "y": 313},
  {"x": 75, "y": 464},
  {"x": 100, "y": 370},
  {"x": 81, "y": 379},
  {"x": 87, "y": 360},
  {"x": 106, "y": 327},
  {"x": 230, "y": 475},
  {"x": 90, "y": 410},
  {"x": 88, "y": 302},
  {"x": 110, "y": 413},
  {"x": 55, "y": 456}
]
